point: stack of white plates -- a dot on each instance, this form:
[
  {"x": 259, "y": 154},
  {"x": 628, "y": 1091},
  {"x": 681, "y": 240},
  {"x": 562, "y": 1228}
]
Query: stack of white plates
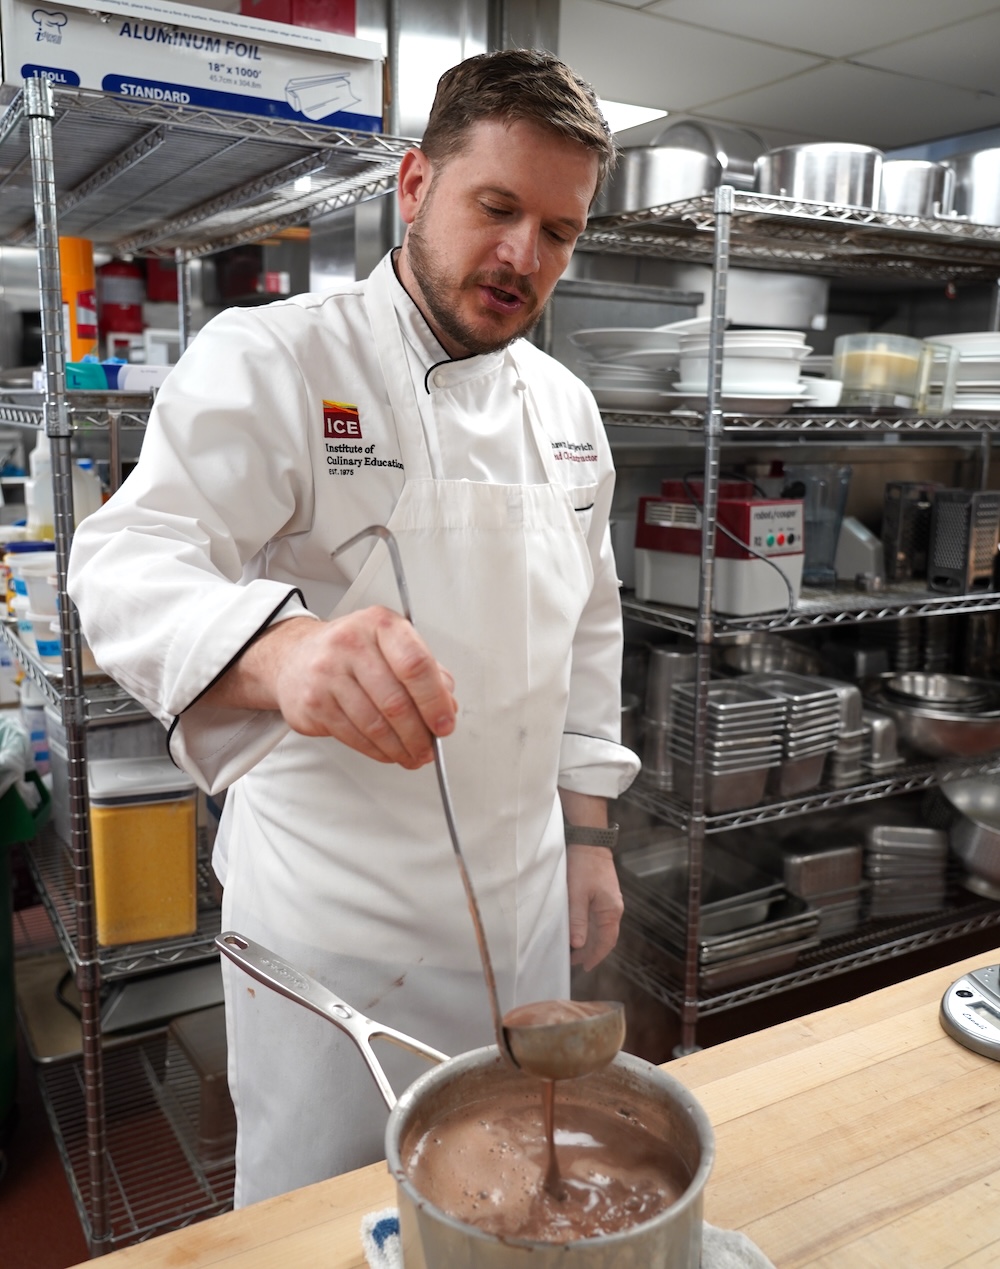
[
  {"x": 630, "y": 367},
  {"x": 761, "y": 369},
  {"x": 977, "y": 380}
]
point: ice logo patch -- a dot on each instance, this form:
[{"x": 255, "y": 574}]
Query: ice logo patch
[{"x": 49, "y": 24}]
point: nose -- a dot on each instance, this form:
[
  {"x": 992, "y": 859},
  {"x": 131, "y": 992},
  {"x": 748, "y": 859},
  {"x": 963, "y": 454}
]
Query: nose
[{"x": 518, "y": 249}]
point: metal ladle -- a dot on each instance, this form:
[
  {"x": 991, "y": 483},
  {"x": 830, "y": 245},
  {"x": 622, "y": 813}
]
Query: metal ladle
[{"x": 554, "y": 1039}]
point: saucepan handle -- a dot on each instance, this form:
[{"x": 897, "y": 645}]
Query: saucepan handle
[{"x": 269, "y": 969}]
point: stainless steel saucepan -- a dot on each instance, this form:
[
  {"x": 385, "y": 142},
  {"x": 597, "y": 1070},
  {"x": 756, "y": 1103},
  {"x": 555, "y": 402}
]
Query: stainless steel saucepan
[{"x": 627, "y": 1089}]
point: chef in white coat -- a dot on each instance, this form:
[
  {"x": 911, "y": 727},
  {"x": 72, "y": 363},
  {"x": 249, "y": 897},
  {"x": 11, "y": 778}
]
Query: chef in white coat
[{"x": 207, "y": 586}]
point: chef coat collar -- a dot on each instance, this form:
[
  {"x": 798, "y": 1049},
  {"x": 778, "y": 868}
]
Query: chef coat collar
[{"x": 432, "y": 356}]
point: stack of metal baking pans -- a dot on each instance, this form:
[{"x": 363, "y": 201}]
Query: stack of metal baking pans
[
  {"x": 812, "y": 722},
  {"x": 907, "y": 865},
  {"x": 743, "y": 740},
  {"x": 750, "y": 926},
  {"x": 826, "y": 870},
  {"x": 844, "y": 761}
]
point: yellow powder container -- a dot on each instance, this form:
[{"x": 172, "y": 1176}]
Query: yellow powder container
[{"x": 142, "y": 828}]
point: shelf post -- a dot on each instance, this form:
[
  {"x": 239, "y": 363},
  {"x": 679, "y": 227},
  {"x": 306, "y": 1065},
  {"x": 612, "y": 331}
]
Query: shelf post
[
  {"x": 181, "y": 258},
  {"x": 40, "y": 113},
  {"x": 724, "y": 202}
]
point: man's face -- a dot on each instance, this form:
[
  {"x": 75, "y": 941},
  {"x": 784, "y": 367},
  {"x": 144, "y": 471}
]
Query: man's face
[{"x": 491, "y": 231}]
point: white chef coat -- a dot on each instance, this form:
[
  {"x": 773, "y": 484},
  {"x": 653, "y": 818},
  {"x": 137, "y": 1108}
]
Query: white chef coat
[{"x": 283, "y": 432}]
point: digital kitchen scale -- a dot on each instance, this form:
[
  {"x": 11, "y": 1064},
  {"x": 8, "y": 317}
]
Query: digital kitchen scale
[{"x": 970, "y": 1011}]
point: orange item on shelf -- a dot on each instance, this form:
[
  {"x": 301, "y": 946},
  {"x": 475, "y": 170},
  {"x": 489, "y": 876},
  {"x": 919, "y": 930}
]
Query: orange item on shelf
[{"x": 79, "y": 296}]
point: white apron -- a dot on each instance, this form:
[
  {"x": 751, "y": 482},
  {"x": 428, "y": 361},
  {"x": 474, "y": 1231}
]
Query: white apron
[{"x": 344, "y": 866}]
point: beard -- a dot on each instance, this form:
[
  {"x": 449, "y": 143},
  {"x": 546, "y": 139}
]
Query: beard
[{"x": 438, "y": 290}]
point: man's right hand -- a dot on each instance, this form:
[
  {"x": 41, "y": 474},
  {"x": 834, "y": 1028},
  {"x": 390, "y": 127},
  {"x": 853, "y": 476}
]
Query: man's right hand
[{"x": 367, "y": 679}]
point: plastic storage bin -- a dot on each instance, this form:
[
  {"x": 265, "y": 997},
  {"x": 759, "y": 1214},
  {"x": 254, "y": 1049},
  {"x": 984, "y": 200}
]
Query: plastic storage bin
[
  {"x": 142, "y": 825},
  {"x": 196, "y": 1060}
]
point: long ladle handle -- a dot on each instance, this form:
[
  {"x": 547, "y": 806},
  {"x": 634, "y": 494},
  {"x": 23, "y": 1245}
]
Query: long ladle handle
[
  {"x": 269, "y": 968},
  {"x": 379, "y": 531}
]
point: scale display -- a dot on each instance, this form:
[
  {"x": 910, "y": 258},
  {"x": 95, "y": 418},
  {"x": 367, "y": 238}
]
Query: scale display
[{"x": 970, "y": 1011}]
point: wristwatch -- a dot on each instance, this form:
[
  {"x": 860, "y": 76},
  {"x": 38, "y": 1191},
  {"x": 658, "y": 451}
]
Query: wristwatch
[{"x": 581, "y": 835}]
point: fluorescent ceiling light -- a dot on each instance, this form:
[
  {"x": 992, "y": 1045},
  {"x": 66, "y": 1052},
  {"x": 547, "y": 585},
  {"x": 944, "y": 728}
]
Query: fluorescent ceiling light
[{"x": 620, "y": 115}]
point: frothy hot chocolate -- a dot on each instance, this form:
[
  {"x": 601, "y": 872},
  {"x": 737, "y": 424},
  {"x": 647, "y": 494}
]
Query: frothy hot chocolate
[{"x": 484, "y": 1164}]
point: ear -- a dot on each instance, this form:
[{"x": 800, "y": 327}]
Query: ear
[{"x": 414, "y": 181}]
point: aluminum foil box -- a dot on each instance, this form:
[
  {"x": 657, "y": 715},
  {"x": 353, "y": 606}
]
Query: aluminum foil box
[{"x": 181, "y": 55}]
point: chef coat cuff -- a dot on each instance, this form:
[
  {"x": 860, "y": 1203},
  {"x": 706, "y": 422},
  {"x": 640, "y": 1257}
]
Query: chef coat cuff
[
  {"x": 601, "y": 768},
  {"x": 217, "y": 745}
]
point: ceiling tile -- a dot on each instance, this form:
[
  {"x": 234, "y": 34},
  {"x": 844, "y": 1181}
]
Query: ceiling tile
[
  {"x": 629, "y": 56},
  {"x": 964, "y": 54},
  {"x": 843, "y": 102},
  {"x": 839, "y": 29}
]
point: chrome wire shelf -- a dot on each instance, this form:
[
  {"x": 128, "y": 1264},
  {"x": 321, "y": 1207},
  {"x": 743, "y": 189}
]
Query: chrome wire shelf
[
  {"x": 814, "y": 237},
  {"x": 872, "y": 943},
  {"x": 818, "y": 608},
  {"x": 905, "y": 780},
  {"x": 51, "y": 865},
  {"x": 155, "y": 1183},
  {"x": 103, "y": 698},
  {"x": 84, "y": 410},
  {"x": 149, "y": 179},
  {"x": 948, "y": 425}
]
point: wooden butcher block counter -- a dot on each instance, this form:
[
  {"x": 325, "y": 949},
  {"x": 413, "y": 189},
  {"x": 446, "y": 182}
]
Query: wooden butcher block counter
[{"x": 859, "y": 1137}]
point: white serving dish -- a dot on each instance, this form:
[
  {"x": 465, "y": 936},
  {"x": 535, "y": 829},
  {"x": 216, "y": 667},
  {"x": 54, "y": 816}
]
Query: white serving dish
[
  {"x": 743, "y": 374},
  {"x": 605, "y": 343},
  {"x": 633, "y": 399}
]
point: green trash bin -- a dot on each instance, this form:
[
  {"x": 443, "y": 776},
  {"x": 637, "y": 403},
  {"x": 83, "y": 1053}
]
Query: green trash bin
[{"x": 17, "y": 824}]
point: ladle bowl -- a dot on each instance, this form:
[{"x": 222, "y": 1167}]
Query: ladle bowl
[{"x": 564, "y": 1039}]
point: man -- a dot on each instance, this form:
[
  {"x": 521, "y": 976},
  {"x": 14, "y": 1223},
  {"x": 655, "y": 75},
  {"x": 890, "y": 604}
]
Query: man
[{"x": 208, "y": 587}]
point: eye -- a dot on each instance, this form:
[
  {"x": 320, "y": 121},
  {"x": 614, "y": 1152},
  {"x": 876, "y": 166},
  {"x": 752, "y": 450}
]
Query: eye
[
  {"x": 560, "y": 237},
  {"x": 492, "y": 210}
]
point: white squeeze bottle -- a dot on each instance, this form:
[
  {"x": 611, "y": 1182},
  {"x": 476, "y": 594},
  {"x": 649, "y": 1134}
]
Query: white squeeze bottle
[
  {"x": 87, "y": 493},
  {"x": 38, "y": 491}
]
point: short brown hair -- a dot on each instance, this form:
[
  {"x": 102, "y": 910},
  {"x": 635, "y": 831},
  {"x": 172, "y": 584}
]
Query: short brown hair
[{"x": 517, "y": 84}]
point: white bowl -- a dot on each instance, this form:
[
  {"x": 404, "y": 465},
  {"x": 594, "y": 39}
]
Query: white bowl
[
  {"x": 745, "y": 374},
  {"x": 822, "y": 392}
]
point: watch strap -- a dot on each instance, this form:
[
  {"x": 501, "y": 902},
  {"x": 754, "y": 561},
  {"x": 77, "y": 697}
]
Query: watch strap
[{"x": 584, "y": 835}]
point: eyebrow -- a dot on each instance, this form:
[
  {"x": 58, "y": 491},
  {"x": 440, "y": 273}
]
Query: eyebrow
[{"x": 569, "y": 221}]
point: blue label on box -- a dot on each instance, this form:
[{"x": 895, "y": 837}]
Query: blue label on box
[
  {"x": 55, "y": 73},
  {"x": 213, "y": 99}
]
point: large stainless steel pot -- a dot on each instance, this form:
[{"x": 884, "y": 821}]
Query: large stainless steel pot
[
  {"x": 655, "y": 175},
  {"x": 823, "y": 172},
  {"x": 735, "y": 149},
  {"x": 430, "y": 1238},
  {"x": 685, "y": 160},
  {"x": 916, "y": 187},
  {"x": 977, "y": 185}
]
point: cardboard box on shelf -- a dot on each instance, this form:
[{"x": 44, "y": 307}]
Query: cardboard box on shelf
[
  {"x": 178, "y": 54},
  {"x": 325, "y": 15}
]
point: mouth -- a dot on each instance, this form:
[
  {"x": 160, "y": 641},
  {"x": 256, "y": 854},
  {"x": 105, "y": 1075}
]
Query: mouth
[{"x": 502, "y": 300}]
